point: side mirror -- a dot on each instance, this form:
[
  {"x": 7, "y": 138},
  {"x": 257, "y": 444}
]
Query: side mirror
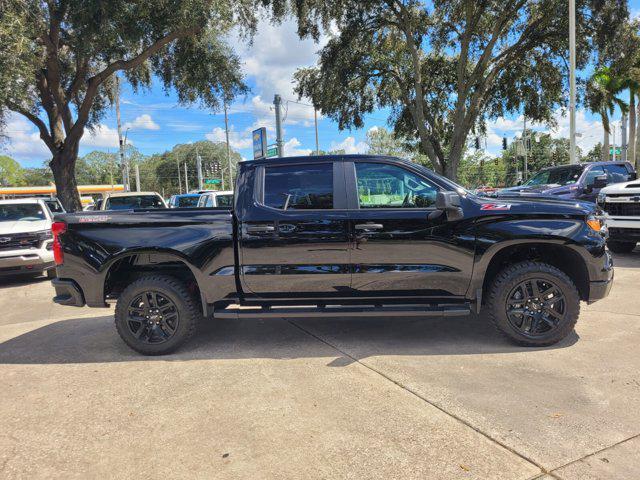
[
  {"x": 449, "y": 204},
  {"x": 600, "y": 182},
  {"x": 633, "y": 176}
]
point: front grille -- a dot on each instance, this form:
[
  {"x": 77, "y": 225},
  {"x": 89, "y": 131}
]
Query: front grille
[
  {"x": 615, "y": 232},
  {"x": 19, "y": 241},
  {"x": 622, "y": 209}
]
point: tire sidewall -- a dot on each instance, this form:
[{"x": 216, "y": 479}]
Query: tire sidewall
[
  {"x": 503, "y": 289},
  {"x": 166, "y": 286}
]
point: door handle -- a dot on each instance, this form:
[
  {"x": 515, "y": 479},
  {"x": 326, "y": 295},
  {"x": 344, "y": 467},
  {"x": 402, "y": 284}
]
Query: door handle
[
  {"x": 260, "y": 228},
  {"x": 369, "y": 226}
]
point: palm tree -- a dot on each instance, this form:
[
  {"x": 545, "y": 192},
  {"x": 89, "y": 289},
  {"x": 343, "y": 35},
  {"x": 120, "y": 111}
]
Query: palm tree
[{"x": 602, "y": 91}]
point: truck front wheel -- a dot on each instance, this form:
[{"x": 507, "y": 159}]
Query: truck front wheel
[
  {"x": 533, "y": 304},
  {"x": 621, "y": 247},
  {"x": 156, "y": 314}
]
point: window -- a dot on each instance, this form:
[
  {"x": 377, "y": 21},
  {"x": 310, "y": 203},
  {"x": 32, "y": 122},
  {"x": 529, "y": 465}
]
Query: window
[
  {"x": 189, "y": 201},
  {"x": 297, "y": 187},
  {"x": 617, "y": 173},
  {"x": 208, "y": 203},
  {"x": 133, "y": 202},
  {"x": 389, "y": 186},
  {"x": 21, "y": 212},
  {"x": 224, "y": 200},
  {"x": 565, "y": 175},
  {"x": 591, "y": 176}
]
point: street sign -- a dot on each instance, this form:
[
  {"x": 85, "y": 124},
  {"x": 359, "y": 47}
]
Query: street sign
[
  {"x": 259, "y": 137},
  {"x": 618, "y": 151},
  {"x": 212, "y": 181},
  {"x": 272, "y": 151}
]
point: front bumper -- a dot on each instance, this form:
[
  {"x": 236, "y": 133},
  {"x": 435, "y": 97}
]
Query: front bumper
[
  {"x": 25, "y": 261},
  {"x": 67, "y": 293},
  {"x": 599, "y": 289}
]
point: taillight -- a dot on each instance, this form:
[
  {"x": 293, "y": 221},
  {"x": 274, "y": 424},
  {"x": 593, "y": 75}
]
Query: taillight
[{"x": 58, "y": 228}]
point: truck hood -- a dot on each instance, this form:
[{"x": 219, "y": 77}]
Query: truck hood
[
  {"x": 535, "y": 205},
  {"x": 538, "y": 190},
  {"x": 23, "y": 226},
  {"x": 630, "y": 188}
]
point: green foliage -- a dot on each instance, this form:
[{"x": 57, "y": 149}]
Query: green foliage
[
  {"x": 11, "y": 174},
  {"x": 444, "y": 68}
]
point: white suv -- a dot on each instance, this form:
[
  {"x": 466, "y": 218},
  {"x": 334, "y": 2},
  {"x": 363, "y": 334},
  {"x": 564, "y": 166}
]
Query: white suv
[
  {"x": 621, "y": 202},
  {"x": 26, "y": 242}
]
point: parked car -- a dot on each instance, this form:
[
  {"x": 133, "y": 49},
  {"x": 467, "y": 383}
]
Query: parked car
[
  {"x": 223, "y": 198},
  {"x": 349, "y": 235},
  {"x": 621, "y": 202},
  {"x": 577, "y": 182},
  {"x": 26, "y": 241},
  {"x": 130, "y": 200},
  {"x": 184, "y": 200}
]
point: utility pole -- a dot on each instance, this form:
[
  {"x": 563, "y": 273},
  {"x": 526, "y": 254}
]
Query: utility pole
[
  {"x": 199, "y": 168},
  {"x": 277, "y": 101},
  {"x": 613, "y": 132},
  {"x": 315, "y": 119},
  {"x": 623, "y": 140},
  {"x": 123, "y": 161},
  {"x": 572, "y": 81},
  {"x": 186, "y": 178},
  {"x": 179, "y": 177},
  {"x": 137, "y": 178},
  {"x": 226, "y": 129}
]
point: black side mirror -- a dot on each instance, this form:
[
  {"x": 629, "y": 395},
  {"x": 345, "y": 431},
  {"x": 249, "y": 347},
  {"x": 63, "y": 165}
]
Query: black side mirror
[
  {"x": 600, "y": 182},
  {"x": 633, "y": 176},
  {"x": 449, "y": 204}
]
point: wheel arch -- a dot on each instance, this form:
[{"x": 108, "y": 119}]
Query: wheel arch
[{"x": 562, "y": 256}]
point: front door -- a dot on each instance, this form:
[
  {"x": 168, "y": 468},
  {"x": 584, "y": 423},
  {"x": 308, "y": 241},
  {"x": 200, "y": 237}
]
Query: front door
[
  {"x": 397, "y": 250},
  {"x": 294, "y": 238}
]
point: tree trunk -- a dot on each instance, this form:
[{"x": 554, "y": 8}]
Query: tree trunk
[
  {"x": 605, "y": 142},
  {"x": 63, "y": 165},
  {"x": 631, "y": 142}
]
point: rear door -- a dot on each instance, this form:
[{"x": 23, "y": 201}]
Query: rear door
[
  {"x": 397, "y": 250},
  {"x": 294, "y": 238}
]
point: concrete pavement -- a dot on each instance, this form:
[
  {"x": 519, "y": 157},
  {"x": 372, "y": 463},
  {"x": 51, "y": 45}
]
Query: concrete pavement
[{"x": 319, "y": 398}]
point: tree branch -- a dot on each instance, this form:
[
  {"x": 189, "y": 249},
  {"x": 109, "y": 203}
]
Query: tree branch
[{"x": 44, "y": 133}]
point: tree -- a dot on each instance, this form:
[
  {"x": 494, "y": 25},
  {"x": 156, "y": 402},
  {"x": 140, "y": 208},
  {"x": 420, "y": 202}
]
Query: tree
[
  {"x": 602, "y": 91},
  {"x": 59, "y": 58},
  {"x": 11, "y": 174},
  {"x": 382, "y": 142},
  {"x": 443, "y": 68},
  {"x": 595, "y": 154}
]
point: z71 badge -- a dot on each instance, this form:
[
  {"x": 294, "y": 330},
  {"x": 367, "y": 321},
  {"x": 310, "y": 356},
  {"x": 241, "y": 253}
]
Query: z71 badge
[{"x": 495, "y": 206}]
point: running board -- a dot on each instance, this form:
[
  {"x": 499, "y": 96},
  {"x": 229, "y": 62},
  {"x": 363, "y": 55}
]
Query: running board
[{"x": 237, "y": 311}]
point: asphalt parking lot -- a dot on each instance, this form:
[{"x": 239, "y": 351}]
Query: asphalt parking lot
[{"x": 319, "y": 398}]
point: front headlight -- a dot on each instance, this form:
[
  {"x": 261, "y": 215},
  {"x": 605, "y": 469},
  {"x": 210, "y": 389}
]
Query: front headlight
[
  {"x": 45, "y": 234},
  {"x": 594, "y": 223},
  {"x": 601, "y": 198}
]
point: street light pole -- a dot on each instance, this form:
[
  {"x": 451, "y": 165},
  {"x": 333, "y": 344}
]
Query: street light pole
[{"x": 572, "y": 81}]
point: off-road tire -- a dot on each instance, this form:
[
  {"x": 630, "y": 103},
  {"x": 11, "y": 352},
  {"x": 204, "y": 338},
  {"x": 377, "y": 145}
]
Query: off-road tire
[
  {"x": 617, "y": 246},
  {"x": 509, "y": 278},
  {"x": 175, "y": 290}
]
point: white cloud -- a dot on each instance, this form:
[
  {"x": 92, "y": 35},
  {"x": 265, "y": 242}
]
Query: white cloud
[
  {"x": 291, "y": 148},
  {"x": 101, "y": 137},
  {"x": 349, "y": 145},
  {"x": 23, "y": 140},
  {"x": 237, "y": 141},
  {"x": 142, "y": 122}
]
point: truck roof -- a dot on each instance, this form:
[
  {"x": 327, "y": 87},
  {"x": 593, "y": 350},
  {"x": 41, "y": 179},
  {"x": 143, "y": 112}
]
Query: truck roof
[
  {"x": 129, "y": 194},
  {"x": 321, "y": 158},
  {"x": 21, "y": 200}
]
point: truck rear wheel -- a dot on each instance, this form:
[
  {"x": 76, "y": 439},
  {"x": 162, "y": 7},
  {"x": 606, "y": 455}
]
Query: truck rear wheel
[
  {"x": 156, "y": 314},
  {"x": 533, "y": 304},
  {"x": 621, "y": 247}
]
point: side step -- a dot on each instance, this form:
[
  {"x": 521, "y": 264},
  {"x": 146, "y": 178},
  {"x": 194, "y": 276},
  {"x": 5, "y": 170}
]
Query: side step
[{"x": 237, "y": 311}]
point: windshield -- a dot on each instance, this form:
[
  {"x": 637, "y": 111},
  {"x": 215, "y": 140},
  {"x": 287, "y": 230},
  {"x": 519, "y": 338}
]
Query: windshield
[
  {"x": 187, "y": 202},
  {"x": 556, "y": 176},
  {"x": 224, "y": 200},
  {"x": 133, "y": 202},
  {"x": 18, "y": 212}
]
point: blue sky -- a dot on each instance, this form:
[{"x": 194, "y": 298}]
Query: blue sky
[{"x": 156, "y": 122}]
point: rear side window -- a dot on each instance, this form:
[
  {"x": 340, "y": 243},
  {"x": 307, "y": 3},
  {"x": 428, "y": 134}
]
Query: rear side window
[
  {"x": 224, "y": 200},
  {"x": 617, "y": 173},
  {"x": 299, "y": 187},
  {"x": 209, "y": 201},
  {"x": 133, "y": 202}
]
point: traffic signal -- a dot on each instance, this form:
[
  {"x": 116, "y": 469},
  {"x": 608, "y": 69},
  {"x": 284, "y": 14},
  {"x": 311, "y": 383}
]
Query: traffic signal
[
  {"x": 504, "y": 143},
  {"x": 477, "y": 143},
  {"x": 528, "y": 143}
]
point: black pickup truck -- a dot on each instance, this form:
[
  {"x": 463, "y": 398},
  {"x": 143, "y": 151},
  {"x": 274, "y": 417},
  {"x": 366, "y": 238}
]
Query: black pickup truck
[{"x": 336, "y": 236}]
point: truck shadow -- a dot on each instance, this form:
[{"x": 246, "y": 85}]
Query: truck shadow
[
  {"x": 94, "y": 340},
  {"x": 20, "y": 280},
  {"x": 627, "y": 260}
]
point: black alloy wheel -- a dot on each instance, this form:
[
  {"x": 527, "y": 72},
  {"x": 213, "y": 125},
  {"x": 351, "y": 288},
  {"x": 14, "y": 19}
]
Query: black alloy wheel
[
  {"x": 535, "y": 307},
  {"x": 152, "y": 317}
]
